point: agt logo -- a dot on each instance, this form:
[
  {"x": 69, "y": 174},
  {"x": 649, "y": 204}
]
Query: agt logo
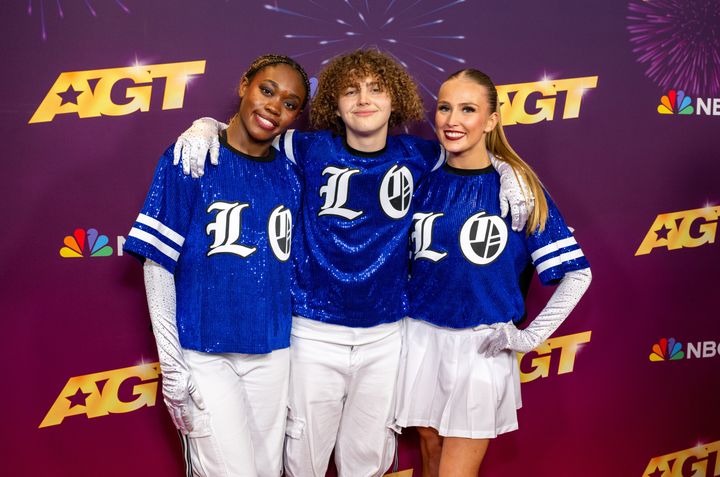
[
  {"x": 538, "y": 362},
  {"x": 541, "y": 98},
  {"x": 671, "y": 350},
  {"x": 700, "y": 461},
  {"x": 89, "y": 243},
  {"x": 676, "y": 102},
  {"x": 686, "y": 229},
  {"x": 110, "y": 392},
  {"x": 116, "y": 91}
]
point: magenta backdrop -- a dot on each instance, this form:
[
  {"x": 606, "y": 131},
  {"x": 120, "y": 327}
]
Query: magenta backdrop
[{"x": 585, "y": 83}]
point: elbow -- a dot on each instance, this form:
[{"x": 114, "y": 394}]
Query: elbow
[{"x": 585, "y": 278}]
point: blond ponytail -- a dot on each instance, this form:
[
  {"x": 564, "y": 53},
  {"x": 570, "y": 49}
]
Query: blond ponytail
[{"x": 498, "y": 145}]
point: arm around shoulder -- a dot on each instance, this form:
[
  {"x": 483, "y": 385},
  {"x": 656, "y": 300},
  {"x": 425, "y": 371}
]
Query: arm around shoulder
[{"x": 193, "y": 145}]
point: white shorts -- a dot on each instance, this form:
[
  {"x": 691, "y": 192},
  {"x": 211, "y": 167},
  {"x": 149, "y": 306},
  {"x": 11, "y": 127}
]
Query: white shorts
[
  {"x": 241, "y": 430},
  {"x": 343, "y": 397},
  {"x": 444, "y": 383}
]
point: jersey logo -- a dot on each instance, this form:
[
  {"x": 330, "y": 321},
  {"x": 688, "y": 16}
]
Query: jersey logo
[
  {"x": 422, "y": 237},
  {"x": 336, "y": 193},
  {"x": 483, "y": 238},
  {"x": 280, "y": 232},
  {"x": 227, "y": 229},
  {"x": 396, "y": 192}
]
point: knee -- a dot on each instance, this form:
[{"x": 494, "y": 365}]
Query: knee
[{"x": 430, "y": 441}]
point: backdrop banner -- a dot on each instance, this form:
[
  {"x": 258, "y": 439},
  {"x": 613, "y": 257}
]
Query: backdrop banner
[{"x": 616, "y": 104}]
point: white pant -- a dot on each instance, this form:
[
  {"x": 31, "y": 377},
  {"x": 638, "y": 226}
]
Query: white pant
[
  {"x": 341, "y": 396},
  {"x": 241, "y": 430}
]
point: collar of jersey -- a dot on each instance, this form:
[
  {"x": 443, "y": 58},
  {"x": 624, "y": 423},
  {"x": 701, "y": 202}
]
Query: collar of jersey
[
  {"x": 357, "y": 153},
  {"x": 267, "y": 158},
  {"x": 467, "y": 172}
]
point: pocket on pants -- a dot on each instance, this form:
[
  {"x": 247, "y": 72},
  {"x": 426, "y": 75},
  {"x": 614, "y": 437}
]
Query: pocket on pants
[
  {"x": 206, "y": 459},
  {"x": 201, "y": 425},
  {"x": 298, "y": 458},
  {"x": 295, "y": 426},
  {"x": 390, "y": 447}
]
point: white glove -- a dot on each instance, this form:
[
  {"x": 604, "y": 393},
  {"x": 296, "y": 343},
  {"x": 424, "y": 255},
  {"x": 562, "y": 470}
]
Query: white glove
[
  {"x": 194, "y": 144},
  {"x": 177, "y": 383},
  {"x": 567, "y": 294},
  {"x": 515, "y": 195}
]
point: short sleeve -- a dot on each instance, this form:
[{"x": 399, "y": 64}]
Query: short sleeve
[
  {"x": 433, "y": 154},
  {"x": 295, "y": 145},
  {"x": 160, "y": 229},
  {"x": 554, "y": 251}
]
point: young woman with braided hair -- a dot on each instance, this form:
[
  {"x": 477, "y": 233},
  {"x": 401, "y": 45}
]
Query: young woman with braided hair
[{"x": 217, "y": 277}]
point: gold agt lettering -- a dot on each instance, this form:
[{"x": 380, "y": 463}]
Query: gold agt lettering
[
  {"x": 516, "y": 98},
  {"x": 97, "y": 394},
  {"x": 88, "y": 93},
  {"x": 697, "y": 461},
  {"x": 539, "y": 360},
  {"x": 686, "y": 229}
]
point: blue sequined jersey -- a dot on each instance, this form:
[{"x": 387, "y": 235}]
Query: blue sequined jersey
[
  {"x": 351, "y": 256},
  {"x": 467, "y": 260},
  {"x": 226, "y": 237}
]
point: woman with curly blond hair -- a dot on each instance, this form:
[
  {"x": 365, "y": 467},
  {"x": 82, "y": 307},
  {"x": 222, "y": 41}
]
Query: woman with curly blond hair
[{"x": 351, "y": 261}]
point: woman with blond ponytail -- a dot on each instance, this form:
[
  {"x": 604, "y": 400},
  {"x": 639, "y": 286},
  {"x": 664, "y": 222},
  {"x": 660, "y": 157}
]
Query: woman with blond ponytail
[{"x": 459, "y": 379}]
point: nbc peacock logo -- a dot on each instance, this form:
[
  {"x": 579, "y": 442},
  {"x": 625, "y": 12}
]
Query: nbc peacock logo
[
  {"x": 675, "y": 102},
  {"x": 83, "y": 243},
  {"x": 667, "y": 349}
]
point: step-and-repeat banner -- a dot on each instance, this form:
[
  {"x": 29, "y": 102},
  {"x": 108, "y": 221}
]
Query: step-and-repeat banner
[{"x": 615, "y": 103}]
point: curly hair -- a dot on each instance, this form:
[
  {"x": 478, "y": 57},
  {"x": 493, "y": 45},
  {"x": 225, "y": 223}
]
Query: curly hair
[{"x": 351, "y": 68}]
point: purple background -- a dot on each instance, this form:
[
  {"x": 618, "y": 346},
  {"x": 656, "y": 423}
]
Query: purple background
[{"x": 612, "y": 171}]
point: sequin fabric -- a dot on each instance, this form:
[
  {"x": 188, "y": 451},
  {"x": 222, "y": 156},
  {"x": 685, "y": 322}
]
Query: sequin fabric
[
  {"x": 351, "y": 261},
  {"x": 226, "y": 238},
  {"x": 467, "y": 262}
]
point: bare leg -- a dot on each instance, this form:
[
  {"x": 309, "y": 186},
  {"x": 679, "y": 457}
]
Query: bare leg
[
  {"x": 431, "y": 445},
  {"x": 461, "y": 457}
]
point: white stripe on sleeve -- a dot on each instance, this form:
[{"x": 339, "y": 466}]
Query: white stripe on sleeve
[
  {"x": 441, "y": 159},
  {"x": 161, "y": 228},
  {"x": 552, "y": 247},
  {"x": 288, "y": 145},
  {"x": 555, "y": 261},
  {"x": 155, "y": 242}
]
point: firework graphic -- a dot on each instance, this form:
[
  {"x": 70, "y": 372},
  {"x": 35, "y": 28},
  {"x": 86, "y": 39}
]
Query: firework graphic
[
  {"x": 38, "y": 7},
  {"x": 679, "y": 40},
  {"x": 411, "y": 31}
]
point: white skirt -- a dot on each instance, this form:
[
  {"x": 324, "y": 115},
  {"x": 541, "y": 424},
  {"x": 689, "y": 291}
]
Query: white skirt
[{"x": 444, "y": 383}]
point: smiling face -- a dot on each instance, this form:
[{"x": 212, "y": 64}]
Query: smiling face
[
  {"x": 365, "y": 109},
  {"x": 270, "y": 102},
  {"x": 463, "y": 118}
]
